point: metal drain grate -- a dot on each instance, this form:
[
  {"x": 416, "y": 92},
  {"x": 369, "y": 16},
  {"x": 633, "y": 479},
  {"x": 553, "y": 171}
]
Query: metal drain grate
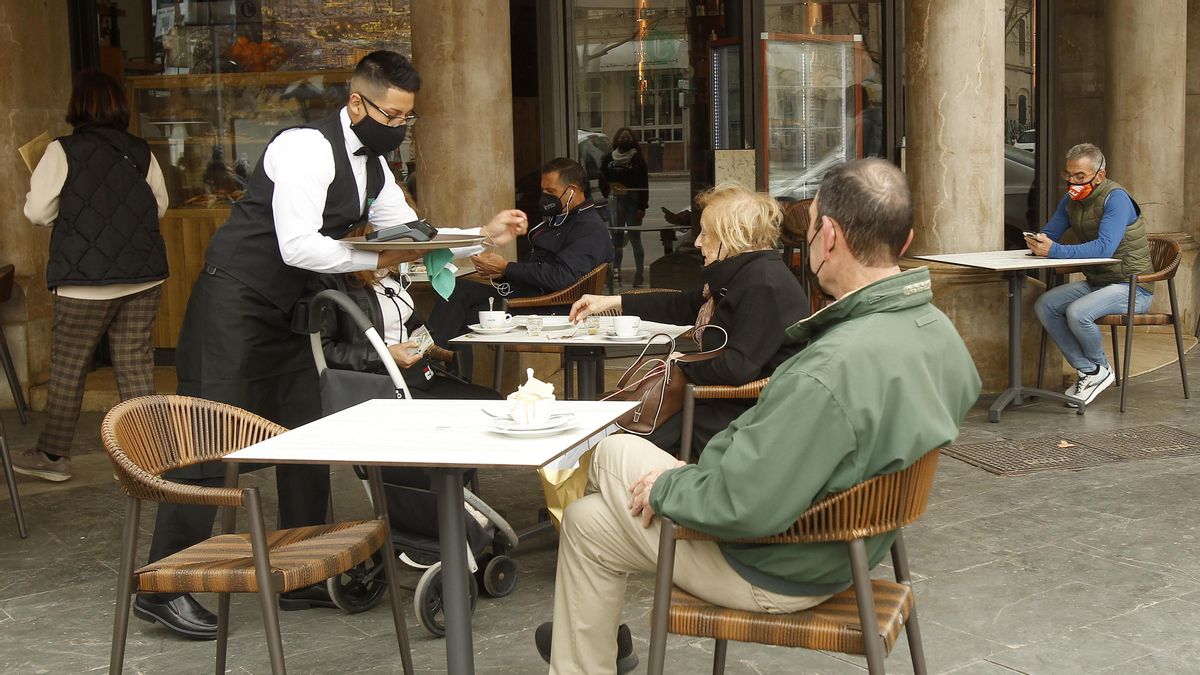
[
  {"x": 1019, "y": 457},
  {"x": 1143, "y": 442}
]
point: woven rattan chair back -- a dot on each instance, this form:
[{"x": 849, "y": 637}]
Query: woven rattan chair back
[
  {"x": 591, "y": 283},
  {"x": 147, "y": 436},
  {"x": 881, "y": 504},
  {"x": 1165, "y": 254}
]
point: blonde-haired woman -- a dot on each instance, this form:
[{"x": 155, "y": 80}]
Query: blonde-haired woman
[{"x": 747, "y": 290}]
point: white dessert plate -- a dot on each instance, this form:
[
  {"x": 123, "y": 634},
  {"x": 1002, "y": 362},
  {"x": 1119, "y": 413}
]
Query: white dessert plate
[
  {"x": 499, "y": 330},
  {"x": 555, "y": 424},
  {"x": 641, "y": 335}
]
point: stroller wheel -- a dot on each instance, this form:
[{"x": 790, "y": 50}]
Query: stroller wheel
[
  {"x": 359, "y": 588},
  {"x": 499, "y": 576},
  {"x": 427, "y": 600}
]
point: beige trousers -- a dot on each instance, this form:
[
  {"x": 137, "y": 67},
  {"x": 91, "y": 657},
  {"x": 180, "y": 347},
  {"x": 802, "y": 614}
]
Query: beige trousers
[{"x": 601, "y": 544}]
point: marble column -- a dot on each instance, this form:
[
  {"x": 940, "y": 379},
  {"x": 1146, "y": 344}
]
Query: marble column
[
  {"x": 35, "y": 85},
  {"x": 465, "y": 137},
  {"x": 1144, "y": 90},
  {"x": 955, "y": 164},
  {"x": 1191, "y": 172}
]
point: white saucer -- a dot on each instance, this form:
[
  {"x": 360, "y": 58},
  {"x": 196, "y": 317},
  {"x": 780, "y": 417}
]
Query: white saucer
[
  {"x": 555, "y": 424},
  {"x": 476, "y": 328},
  {"x": 641, "y": 335}
]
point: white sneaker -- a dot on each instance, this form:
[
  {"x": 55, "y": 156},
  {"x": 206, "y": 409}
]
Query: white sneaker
[{"x": 1088, "y": 387}]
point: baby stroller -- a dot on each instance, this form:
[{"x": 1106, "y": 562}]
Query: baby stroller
[{"x": 411, "y": 505}]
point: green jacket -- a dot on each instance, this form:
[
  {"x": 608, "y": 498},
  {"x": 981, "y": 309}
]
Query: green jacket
[{"x": 884, "y": 379}]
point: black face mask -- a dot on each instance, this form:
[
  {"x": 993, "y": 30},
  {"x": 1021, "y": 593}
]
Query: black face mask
[
  {"x": 378, "y": 139},
  {"x": 626, "y": 145},
  {"x": 551, "y": 206}
]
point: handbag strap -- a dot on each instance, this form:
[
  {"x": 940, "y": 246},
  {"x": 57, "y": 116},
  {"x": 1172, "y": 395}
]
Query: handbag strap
[
  {"x": 638, "y": 362},
  {"x": 704, "y": 355}
]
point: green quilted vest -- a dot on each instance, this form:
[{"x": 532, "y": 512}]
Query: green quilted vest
[{"x": 1134, "y": 249}]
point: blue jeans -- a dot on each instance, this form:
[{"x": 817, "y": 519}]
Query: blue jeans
[{"x": 1069, "y": 313}]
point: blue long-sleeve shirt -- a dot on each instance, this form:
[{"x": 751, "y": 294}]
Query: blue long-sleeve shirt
[{"x": 1119, "y": 213}]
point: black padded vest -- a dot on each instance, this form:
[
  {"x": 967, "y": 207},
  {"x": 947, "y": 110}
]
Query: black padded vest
[
  {"x": 247, "y": 247},
  {"x": 107, "y": 226}
]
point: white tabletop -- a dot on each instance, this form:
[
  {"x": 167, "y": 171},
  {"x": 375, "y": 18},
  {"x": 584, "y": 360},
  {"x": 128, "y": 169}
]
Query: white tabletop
[
  {"x": 1003, "y": 261},
  {"x": 579, "y": 338},
  {"x": 430, "y": 433}
]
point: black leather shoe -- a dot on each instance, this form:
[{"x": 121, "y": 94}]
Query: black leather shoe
[
  {"x": 305, "y": 598},
  {"x": 627, "y": 661},
  {"x": 182, "y": 616}
]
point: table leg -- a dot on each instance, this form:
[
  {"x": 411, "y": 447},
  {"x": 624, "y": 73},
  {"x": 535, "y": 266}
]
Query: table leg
[
  {"x": 1016, "y": 393},
  {"x": 452, "y": 538}
]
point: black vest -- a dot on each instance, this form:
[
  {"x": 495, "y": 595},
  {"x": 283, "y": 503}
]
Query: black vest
[
  {"x": 247, "y": 247},
  {"x": 107, "y": 226}
]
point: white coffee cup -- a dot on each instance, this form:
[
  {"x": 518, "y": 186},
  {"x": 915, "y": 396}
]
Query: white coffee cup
[
  {"x": 494, "y": 319},
  {"x": 626, "y": 326}
]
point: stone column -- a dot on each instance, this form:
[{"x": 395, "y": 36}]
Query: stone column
[
  {"x": 955, "y": 164},
  {"x": 35, "y": 85},
  {"x": 1144, "y": 90},
  {"x": 1191, "y": 170},
  {"x": 465, "y": 136}
]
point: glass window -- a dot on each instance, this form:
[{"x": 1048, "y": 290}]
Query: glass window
[
  {"x": 824, "y": 90},
  {"x": 215, "y": 81},
  {"x": 1020, "y": 135}
]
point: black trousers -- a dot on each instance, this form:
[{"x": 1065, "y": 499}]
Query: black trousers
[{"x": 238, "y": 348}]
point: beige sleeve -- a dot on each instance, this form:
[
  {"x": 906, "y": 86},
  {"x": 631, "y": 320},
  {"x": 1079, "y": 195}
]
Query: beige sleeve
[
  {"x": 41, "y": 204},
  {"x": 158, "y": 186}
]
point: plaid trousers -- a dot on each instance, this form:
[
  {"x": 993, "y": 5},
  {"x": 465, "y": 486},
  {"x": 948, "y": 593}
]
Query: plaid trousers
[{"x": 78, "y": 327}]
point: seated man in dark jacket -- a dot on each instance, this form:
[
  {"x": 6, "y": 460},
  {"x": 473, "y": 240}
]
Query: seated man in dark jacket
[{"x": 570, "y": 241}]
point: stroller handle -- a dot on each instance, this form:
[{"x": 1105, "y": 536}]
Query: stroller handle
[{"x": 307, "y": 319}]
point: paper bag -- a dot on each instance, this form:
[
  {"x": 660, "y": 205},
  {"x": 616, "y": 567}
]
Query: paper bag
[
  {"x": 32, "y": 151},
  {"x": 565, "y": 479}
]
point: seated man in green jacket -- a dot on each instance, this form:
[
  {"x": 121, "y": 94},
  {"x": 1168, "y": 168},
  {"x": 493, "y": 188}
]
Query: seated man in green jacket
[{"x": 885, "y": 378}]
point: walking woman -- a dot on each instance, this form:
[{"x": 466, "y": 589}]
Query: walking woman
[
  {"x": 625, "y": 180},
  {"x": 103, "y": 193}
]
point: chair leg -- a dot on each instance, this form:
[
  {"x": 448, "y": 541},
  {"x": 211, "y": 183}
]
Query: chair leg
[
  {"x": 719, "y": 650},
  {"x": 498, "y": 367},
  {"x": 1043, "y": 349},
  {"x": 662, "y": 597},
  {"x": 900, "y": 563},
  {"x": 375, "y": 479},
  {"x": 1178, "y": 336},
  {"x": 872, "y": 642},
  {"x": 1112, "y": 330},
  {"x": 222, "y": 632},
  {"x": 1128, "y": 341},
  {"x": 268, "y": 596},
  {"x": 11, "y": 479},
  {"x": 133, "y": 512},
  {"x": 689, "y": 418},
  {"x": 14, "y": 384}
]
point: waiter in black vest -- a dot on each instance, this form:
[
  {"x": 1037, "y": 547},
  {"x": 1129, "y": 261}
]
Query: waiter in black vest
[{"x": 312, "y": 186}]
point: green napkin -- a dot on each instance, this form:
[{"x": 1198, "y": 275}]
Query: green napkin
[{"x": 440, "y": 277}]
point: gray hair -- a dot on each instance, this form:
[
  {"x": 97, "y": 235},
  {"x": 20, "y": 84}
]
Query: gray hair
[{"x": 1087, "y": 150}]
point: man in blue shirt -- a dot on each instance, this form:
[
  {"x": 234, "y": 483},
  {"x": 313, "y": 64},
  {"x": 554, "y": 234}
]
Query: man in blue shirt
[{"x": 1106, "y": 223}]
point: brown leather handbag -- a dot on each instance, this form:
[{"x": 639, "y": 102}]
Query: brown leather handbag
[{"x": 658, "y": 384}]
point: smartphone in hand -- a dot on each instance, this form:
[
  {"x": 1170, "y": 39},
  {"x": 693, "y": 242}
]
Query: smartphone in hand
[{"x": 1030, "y": 235}]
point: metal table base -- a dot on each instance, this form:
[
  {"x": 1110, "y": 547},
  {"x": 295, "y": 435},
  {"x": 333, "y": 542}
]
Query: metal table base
[
  {"x": 1016, "y": 392},
  {"x": 456, "y": 587}
]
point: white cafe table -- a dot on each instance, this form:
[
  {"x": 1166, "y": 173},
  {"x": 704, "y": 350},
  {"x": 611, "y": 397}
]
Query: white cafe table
[
  {"x": 578, "y": 346},
  {"x": 1015, "y": 265},
  {"x": 449, "y": 438}
]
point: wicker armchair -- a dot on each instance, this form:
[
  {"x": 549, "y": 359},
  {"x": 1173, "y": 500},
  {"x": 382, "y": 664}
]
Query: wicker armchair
[
  {"x": 147, "y": 436},
  {"x": 879, "y": 505},
  {"x": 1166, "y": 256},
  {"x": 710, "y": 391}
]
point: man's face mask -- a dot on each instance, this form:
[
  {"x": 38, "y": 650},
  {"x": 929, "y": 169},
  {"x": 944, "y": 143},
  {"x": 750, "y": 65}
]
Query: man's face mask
[
  {"x": 378, "y": 138},
  {"x": 552, "y": 205},
  {"x": 1079, "y": 191}
]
